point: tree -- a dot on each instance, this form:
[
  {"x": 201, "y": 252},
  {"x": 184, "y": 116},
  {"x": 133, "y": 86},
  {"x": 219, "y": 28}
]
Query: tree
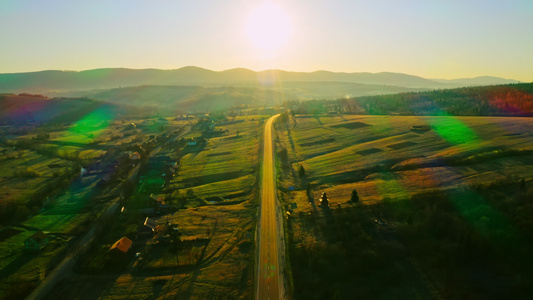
[
  {"x": 301, "y": 171},
  {"x": 355, "y": 197}
]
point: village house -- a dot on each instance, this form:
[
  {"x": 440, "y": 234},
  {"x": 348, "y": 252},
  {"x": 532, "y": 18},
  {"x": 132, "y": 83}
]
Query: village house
[
  {"x": 150, "y": 223},
  {"x": 121, "y": 246}
]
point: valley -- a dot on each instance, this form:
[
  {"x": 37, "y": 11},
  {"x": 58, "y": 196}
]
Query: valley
[{"x": 114, "y": 200}]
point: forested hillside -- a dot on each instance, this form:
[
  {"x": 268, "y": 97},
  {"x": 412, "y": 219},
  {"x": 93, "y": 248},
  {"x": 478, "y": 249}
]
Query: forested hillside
[{"x": 499, "y": 100}]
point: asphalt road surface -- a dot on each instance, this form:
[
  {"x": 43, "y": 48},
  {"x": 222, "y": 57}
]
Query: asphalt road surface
[{"x": 269, "y": 275}]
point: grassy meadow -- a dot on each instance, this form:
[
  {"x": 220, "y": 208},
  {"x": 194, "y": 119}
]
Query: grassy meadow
[
  {"x": 381, "y": 156},
  {"x": 206, "y": 249},
  {"x": 424, "y": 184},
  {"x": 226, "y": 165},
  {"x": 42, "y": 187}
]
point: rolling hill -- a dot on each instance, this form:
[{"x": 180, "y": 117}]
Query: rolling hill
[
  {"x": 51, "y": 81},
  {"x": 190, "y": 98},
  {"x": 25, "y": 108}
]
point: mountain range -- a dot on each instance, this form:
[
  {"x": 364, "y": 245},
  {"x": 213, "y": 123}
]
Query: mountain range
[
  {"x": 69, "y": 81},
  {"x": 198, "y": 89}
]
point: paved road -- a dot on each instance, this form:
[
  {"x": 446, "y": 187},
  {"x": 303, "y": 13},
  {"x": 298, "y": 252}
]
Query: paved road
[{"x": 269, "y": 275}]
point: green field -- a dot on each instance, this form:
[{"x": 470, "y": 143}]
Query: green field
[
  {"x": 226, "y": 166},
  {"x": 217, "y": 182},
  {"x": 442, "y": 210},
  {"x": 385, "y": 158}
]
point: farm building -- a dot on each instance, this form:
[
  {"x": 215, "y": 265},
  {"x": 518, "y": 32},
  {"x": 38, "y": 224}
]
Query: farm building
[
  {"x": 150, "y": 223},
  {"x": 121, "y": 246}
]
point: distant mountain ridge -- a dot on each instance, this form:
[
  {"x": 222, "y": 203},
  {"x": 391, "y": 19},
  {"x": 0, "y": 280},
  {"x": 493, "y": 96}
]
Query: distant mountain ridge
[
  {"x": 67, "y": 81},
  {"x": 477, "y": 81}
]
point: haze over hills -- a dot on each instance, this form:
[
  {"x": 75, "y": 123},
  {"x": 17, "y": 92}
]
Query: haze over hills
[
  {"x": 476, "y": 81},
  {"x": 198, "y": 89},
  {"x": 221, "y": 97},
  {"x": 67, "y": 81},
  {"x": 35, "y": 108}
]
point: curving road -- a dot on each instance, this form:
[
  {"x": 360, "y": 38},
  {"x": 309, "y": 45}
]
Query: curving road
[{"x": 269, "y": 280}]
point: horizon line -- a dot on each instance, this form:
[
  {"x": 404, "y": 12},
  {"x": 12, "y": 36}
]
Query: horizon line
[{"x": 260, "y": 71}]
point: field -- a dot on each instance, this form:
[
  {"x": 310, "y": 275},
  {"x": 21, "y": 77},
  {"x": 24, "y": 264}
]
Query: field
[
  {"x": 43, "y": 188},
  {"x": 225, "y": 165},
  {"x": 423, "y": 184},
  {"x": 385, "y": 158},
  {"x": 214, "y": 260},
  {"x": 204, "y": 243}
]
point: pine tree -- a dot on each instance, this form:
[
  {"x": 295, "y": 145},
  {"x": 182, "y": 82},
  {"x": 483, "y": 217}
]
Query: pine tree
[
  {"x": 301, "y": 171},
  {"x": 355, "y": 197}
]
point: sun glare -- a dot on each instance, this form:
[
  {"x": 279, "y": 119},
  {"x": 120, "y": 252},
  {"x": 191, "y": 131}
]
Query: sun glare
[{"x": 268, "y": 27}]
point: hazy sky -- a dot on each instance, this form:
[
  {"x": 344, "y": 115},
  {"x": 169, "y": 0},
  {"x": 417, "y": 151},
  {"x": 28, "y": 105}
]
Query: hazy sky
[{"x": 429, "y": 38}]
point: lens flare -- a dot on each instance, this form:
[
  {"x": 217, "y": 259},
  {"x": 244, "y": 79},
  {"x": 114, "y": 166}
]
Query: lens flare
[{"x": 268, "y": 27}]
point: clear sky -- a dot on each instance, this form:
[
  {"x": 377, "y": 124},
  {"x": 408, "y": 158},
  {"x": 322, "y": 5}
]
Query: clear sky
[{"x": 428, "y": 38}]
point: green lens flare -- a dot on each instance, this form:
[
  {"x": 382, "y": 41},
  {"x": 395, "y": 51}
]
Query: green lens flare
[{"x": 453, "y": 130}]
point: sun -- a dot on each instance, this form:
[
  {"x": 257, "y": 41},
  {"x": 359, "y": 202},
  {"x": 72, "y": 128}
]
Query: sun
[{"x": 268, "y": 27}]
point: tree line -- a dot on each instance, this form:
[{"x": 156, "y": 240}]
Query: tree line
[{"x": 499, "y": 100}]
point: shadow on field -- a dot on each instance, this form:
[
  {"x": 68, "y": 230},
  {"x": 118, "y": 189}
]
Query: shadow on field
[
  {"x": 93, "y": 288},
  {"x": 327, "y": 214},
  {"x": 157, "y": 288},
  {"x": 15, "y": 265}
]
